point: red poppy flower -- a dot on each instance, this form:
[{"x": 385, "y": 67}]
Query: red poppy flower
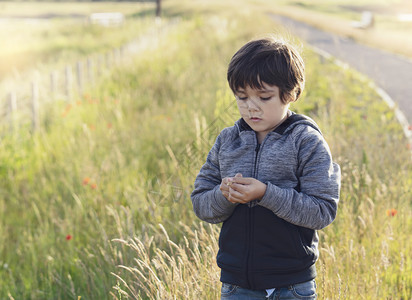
[
  {"x": 68, "y": 237},
  {"x": 93, "y": 186},
  {"x": 391, "y": 212},
  {"x": 86, "y": 181}
]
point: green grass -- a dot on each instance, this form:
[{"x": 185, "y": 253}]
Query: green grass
[
  {"x": 64, "y": 36},
  {"x": 108, "y": 170}
]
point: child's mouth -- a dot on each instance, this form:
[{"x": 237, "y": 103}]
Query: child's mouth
[{"x": 255, "y": 119}]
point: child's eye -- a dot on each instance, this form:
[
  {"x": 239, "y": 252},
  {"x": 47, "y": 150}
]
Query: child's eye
[
  {"x": 242, "y": 98},
  {"x": 265, "y": 98}
]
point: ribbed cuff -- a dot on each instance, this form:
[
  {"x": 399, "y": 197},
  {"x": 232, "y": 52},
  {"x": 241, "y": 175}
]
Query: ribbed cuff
[{"x": 269, "y": 199}]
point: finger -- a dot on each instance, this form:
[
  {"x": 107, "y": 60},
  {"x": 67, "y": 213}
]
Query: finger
[
  {"x": 243, "y": 180},
  {"x": 225, "y": 192},
  {"x": 226, "y": 195},
  {"x": 235, "y": 194},
  {"x": 231, "y": 201},
  {"x": 224, "y": 187},
  {"x": 228, "y": 181},
  {"x": 239, "y": 175},
  {"x": 235, "y": 199},
  {"x": 238, "y": 188}
]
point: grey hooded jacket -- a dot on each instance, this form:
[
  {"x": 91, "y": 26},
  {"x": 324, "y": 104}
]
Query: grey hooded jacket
[{"x": 271, "y": 242}]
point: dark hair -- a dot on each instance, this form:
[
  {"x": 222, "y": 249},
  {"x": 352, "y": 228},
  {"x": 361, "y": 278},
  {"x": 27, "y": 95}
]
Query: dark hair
[{"x": 270, "y": 61}]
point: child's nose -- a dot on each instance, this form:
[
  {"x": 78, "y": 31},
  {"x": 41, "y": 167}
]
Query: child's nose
[{"x": 252, "y": 105}]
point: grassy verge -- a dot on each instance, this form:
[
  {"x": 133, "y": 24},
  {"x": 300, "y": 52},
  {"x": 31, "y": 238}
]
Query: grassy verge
[
  {"x": 98, "y": 205},
  {"x": 388, "y": 33},
  {"x": 46, "y": 33}
]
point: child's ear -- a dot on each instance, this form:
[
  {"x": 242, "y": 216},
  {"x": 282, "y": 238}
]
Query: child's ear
[
  {"x": 294, "y": 98},
  {"x": 291, "y": 99}
]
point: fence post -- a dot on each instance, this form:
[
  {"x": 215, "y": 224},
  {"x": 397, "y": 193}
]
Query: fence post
[
  {"x": 35, "y": 105},
  {"x": 108, "y": 60},
  {"x": 53, "y": 84},
  {"x": 80, "y": 77},
  {"x": 12, "y": 110},
  {"x": 121, "y": 53},
  {"x": 90, "y": 70},
  {"x": 68, "y": 82},
  {"x": 113, "y": 55},
  {"x": 100, "y": 65}
]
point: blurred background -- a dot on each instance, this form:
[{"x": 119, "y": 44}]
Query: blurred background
[
  {"x": 37, "y": 32},
  {"x": 109, "y": 108},
  {"x": 40, "y": 38}
]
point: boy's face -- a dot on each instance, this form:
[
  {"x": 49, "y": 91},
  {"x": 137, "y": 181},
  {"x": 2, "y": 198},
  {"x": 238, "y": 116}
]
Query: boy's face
[{"x": 262, "y": 109}]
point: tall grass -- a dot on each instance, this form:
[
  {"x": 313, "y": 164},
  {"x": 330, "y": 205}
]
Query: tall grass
[{"x": 97, "y": 204}]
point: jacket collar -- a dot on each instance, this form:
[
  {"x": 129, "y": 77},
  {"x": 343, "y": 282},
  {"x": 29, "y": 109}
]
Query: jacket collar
[{"x": 243, "y": 126}]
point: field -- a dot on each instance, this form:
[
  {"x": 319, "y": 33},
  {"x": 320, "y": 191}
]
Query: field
[
  {"x": 96, "y": 203},
  {"x": 52, "y": 33}
]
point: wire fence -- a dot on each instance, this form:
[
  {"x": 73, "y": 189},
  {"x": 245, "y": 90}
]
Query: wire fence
[{"x": 22, "y": 105}]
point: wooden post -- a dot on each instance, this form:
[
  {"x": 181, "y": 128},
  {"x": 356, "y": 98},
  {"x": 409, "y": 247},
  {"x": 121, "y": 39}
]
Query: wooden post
[
  {"x": 99, "y": 62},
  {"x": 90, "y": 70},
  {"x": 35, "y": 105},
  {"x": 108, "y": 62},
  {"x": 53, "y": 84},
  {"x": 121, "y": 53},
  {"x": 12, "y": 102},
  {"x": 12, "y": 110},
  {"x": 158, "y": 8},
  {"x": 68, "y": 82},
  {"x": 79, "y": 67}
]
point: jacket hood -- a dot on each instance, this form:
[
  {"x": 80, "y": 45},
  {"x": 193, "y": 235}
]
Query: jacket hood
[{"x": 291, "y": 122}]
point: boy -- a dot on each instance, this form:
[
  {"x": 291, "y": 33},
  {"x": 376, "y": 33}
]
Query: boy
[{"x": 270, "y": 179}]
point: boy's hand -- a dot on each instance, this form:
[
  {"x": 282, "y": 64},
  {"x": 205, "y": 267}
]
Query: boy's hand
[
  {"x": 225, "y": 185},
  {"x": 240, "y": 189}
]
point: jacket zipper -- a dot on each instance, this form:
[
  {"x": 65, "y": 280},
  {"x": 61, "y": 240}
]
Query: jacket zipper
[
  {"x": 251, "y": 223},
  {"x": 256, "y": 158}
]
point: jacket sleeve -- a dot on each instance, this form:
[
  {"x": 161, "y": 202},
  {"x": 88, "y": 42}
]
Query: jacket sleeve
[
  {"x": 209, "y": 204},
  {"x": 313, "y": 204}
]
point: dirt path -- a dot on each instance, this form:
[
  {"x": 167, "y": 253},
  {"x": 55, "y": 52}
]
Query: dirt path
[{"x": 390, "y": 72}]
